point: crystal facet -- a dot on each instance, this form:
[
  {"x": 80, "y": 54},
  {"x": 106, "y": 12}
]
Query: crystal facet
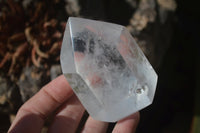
[{"x": 106, "y": 69}]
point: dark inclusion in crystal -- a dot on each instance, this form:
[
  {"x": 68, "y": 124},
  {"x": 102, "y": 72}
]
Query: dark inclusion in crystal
[{"x": 110, "y": 54}]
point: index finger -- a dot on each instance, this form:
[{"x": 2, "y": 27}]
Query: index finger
[{"x": 33, "y": 113}]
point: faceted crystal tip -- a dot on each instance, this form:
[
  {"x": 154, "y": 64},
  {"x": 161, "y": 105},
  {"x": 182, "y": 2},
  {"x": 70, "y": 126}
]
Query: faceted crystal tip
[{"x": 106, "y": 69}]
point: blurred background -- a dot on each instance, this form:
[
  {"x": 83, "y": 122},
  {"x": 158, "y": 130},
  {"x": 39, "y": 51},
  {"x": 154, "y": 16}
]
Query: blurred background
[{"x": 167, "y": 31}]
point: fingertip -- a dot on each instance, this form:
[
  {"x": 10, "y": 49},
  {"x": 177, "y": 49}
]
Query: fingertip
[
  {"x": 128, "y": 124},
  {"x": 135, "y": 116},
  {"x": 59, "y": 89},
  {"x": 93, "y": 125}
]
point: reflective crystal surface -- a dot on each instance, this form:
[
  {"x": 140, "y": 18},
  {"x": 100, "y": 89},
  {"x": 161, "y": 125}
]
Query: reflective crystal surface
[{"x": 106, "y": 69}]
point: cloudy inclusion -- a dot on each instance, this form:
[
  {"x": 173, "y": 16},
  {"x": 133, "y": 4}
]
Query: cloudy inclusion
[{"x": 106, "y": 69}]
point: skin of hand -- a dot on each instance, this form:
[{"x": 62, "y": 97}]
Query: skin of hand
[{"x": 58, "y": 95}]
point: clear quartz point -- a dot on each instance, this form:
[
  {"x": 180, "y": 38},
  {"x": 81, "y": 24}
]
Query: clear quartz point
[{"x": 106, "y": 69}]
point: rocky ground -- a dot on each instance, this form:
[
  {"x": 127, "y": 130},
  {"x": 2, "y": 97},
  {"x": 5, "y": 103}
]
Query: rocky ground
[{"x": 31, "y": 34}]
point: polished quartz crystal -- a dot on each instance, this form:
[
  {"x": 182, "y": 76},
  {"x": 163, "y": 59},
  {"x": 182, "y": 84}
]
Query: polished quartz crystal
[{"x": 106, "y": 69}]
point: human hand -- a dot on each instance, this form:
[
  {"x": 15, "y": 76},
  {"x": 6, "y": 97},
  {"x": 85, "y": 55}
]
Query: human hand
[{"x": 59, "y": 95}]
